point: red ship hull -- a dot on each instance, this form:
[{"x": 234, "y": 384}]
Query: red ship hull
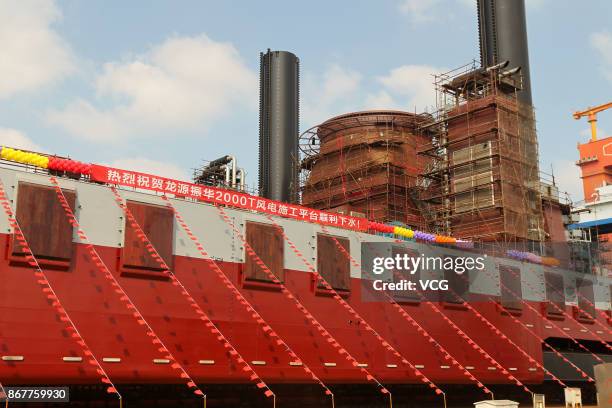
[{"x": 29, "y": 328}]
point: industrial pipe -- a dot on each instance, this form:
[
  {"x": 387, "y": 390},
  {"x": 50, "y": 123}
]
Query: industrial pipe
[
  {"x": 232, "y": 160},
  {"x": 242, "y": 176},
  {"x": 227, "y": 175},
  {"x": 501, "y": 65},
  {"x": 510, "y": 72}
]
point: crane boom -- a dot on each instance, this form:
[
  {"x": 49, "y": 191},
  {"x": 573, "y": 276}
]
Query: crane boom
[{"x": 591, "y": 113}]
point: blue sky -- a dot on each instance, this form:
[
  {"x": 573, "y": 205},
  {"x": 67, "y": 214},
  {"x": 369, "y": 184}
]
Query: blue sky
[{"x": 161, "y": 85}]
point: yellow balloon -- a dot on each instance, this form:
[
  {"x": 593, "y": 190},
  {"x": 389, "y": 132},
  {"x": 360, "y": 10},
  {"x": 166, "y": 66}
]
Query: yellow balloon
[{"x": 20, "y": 156}]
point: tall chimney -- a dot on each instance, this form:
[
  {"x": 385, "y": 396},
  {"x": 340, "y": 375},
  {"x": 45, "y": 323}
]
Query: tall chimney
[
  {"x": 502, "y": 29},
  {"x": 278, "y": 125}
]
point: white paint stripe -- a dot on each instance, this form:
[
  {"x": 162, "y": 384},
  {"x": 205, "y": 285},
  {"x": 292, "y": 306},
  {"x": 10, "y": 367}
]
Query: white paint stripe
[
  {"x": 111, "y": 360},
  {"x": 13, "y": 358}
]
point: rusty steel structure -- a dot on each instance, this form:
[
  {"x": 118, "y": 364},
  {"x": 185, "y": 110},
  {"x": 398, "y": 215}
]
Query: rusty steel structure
[
  {"x": 483, "y": 178},
  {"x": 365, "y": 163}
]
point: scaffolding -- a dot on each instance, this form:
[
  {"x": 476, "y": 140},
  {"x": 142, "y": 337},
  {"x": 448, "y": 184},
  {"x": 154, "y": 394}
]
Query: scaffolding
[
  {"x": 365, "y": 163},
  {"x": 482, "y": 182}
]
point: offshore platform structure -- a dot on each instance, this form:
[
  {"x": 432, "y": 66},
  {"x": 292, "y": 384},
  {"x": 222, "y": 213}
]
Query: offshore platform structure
[
  {"x": 468, "y": 170},
  {"x": 483, "y": 181},
  {"x": 365, "y": 164}
]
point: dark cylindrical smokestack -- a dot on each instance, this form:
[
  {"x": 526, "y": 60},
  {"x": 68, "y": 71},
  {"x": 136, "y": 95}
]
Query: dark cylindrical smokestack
[
  {"x": 278, "y": 125},
  {"x": 502, "y": 30}
]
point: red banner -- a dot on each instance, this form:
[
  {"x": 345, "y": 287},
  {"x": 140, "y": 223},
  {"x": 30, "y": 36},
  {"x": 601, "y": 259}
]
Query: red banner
[{"x": 230, "y": 198}]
